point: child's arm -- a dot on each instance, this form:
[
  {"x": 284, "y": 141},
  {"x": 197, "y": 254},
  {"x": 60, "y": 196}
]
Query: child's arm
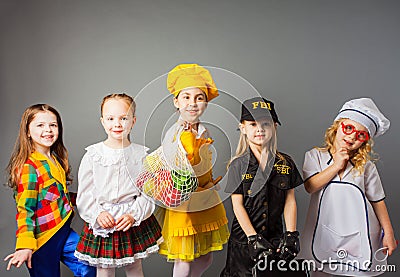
[
  {"x": 86, "y": 203},
  {"x": 319, "y": 180},
  {"x": 383, "y": 217},
  {"x": 289, "y": 245},
  {"x": 212, "y": 184},
  {"x": 257, "y": 243},
  {"x": 241, "y": 215},
  {"x": 27, "y": 201},
  {"x": 290, "y": 211},
  {"x": 142, "y": 208}
]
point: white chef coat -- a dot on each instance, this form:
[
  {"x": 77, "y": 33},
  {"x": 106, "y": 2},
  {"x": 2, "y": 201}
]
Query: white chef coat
[{"x": 341, "y": 228}]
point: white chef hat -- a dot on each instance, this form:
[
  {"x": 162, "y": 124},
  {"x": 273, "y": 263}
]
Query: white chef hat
[{"x": 365, "y": 112}]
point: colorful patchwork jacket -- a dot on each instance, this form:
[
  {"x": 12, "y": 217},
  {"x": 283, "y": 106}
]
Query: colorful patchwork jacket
[{"x": 43, "y": 203}]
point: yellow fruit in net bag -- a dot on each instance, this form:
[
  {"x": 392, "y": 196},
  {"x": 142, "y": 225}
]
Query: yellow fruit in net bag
[
  {"x": 152, "y": 163},
  {"x": 148, "y": 187}
]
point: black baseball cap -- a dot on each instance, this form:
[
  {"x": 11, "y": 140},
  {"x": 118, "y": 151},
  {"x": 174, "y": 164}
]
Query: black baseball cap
[{"x": 256, "y": 108}]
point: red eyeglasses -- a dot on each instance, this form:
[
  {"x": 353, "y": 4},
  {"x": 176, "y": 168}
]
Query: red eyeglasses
[{"x": 348, "y": 129}]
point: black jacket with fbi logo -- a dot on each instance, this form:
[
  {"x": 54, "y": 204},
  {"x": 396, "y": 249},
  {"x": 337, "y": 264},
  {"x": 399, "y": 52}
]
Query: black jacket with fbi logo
[{"x": 263, "y": 193}]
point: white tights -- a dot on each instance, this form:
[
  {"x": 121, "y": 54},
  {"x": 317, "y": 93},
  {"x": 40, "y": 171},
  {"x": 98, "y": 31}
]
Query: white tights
[
  {"x": 192, "y": 269},
  {"x": 131, "y": 270}
]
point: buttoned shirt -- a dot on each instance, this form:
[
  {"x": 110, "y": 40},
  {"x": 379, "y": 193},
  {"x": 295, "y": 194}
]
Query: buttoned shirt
[
  {"x": 264, "y": 193},
  {"x": 106, "y": 179}
]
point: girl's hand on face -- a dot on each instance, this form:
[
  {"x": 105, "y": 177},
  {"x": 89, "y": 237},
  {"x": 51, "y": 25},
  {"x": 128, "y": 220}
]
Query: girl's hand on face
[
  {"x": 341, "y": 157},
  {"x": 105, "y": 220},
  {"x": 19, "y": 257},
  {"x": 390, "y": 244},
  {"x": 125, "y": 222}
]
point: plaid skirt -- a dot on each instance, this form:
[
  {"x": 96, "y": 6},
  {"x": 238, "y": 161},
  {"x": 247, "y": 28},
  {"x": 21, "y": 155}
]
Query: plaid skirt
[{"x": 119, "y": 248}]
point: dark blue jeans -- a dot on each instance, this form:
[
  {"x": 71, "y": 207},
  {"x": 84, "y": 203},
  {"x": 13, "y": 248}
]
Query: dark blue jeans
[{"x": 61, "y": 247}]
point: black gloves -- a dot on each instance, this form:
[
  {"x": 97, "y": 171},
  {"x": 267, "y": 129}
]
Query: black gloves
[
  {"x": 259, "y": 247},
  {"x": 289, "y": 245}
]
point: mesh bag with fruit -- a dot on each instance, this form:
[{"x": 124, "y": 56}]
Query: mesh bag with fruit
[{"x": 167, "y": 175}]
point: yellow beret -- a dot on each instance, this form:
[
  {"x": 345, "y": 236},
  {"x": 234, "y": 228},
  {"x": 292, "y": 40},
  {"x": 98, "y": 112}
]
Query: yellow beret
[{"x": 191, "y": 75}]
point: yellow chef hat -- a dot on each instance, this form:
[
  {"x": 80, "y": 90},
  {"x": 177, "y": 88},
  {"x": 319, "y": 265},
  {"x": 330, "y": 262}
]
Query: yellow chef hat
[{"x": 191, "y": 75}]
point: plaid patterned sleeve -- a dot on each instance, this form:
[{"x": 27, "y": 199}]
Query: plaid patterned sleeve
[{"x": 26, "y": 200}]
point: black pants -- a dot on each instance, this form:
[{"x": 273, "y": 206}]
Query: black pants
[{"x": 239, "y": 264}]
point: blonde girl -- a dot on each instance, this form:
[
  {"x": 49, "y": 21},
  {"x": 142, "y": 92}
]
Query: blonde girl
[
  {"x": 120, "y": 229},
  {"x": 347, "y": 224},
  {"x": 262, "y": 182}
]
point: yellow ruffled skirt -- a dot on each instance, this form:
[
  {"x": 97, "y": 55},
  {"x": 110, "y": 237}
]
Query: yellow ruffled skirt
[{"x": 189, "y": 235}]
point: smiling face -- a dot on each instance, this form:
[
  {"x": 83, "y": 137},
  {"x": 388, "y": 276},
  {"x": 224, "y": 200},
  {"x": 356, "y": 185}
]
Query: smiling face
[
  {"x": 191, "y": 103},
  {"x": 258, "y": 132},
  {"x": 43, "y": 131},
  {"x": 117, "y": 120},
  {"x": 349, "y": 141}
]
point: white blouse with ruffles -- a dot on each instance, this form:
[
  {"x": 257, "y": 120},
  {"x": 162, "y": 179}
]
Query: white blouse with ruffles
[{"x": 106, "y": 180}]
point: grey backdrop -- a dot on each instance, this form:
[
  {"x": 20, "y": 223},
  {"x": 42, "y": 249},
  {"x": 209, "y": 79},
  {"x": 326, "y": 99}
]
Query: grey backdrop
[{"x": 309, "y": 57}]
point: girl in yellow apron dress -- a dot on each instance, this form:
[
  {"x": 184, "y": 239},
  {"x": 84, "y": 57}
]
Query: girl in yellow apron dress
[{"x": 198, "y": 227}]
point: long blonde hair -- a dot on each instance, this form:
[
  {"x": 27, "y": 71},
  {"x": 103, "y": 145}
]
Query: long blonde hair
[
  {"x": 23, "y": 147},
  {"x": 243, "y": 145},
  {"x": 359, "y": 157}
]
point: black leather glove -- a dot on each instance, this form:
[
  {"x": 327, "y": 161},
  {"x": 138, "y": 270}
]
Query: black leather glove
[
  {"x": 289, "y": 245},
  {"x": 259, "y": 247}
]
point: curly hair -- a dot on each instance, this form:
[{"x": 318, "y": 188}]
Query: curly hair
[{"x": 358, "y": 157}]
